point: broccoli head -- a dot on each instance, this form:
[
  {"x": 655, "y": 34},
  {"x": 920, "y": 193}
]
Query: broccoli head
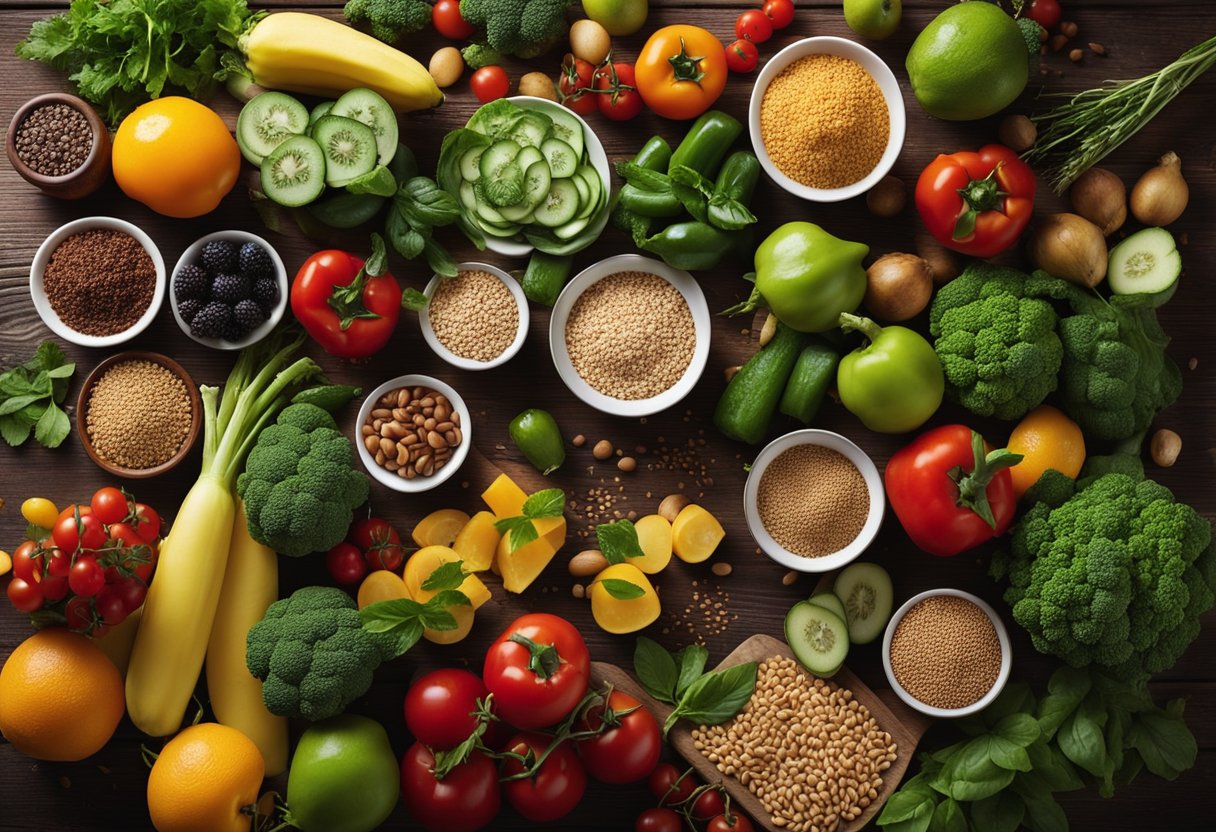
[
  {"x": 524, "y": 28},
  {"x": 477, "y": 55},
  {"x": 388, "y": 20},
  {"x": 1117, "y": 575},
  {"x": 300, "y": 485},
  {"x": 312, "y": 654}
]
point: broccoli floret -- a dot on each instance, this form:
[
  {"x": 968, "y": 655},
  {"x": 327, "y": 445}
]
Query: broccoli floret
[
  {"x": 477, "y": 55},
  {"x": 300, "y": 485},
  {"x": 388, "y": 20},
  {"x": 312, "y": 654},
  {"x": 524, "y": 28}
]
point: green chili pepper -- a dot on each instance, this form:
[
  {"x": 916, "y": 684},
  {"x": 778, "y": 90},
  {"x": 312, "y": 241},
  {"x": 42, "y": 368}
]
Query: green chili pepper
[
  {"x": 654, "y": 155},
  {"x": 693, "y": 245},
  {"x": 650, "y": 203},
  {"x": 707, "y": 142}
]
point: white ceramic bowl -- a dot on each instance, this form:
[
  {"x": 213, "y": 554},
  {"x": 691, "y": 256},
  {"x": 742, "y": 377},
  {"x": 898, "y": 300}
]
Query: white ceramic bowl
[
  {"x": 193, "y": 255},
  {"x": 881, "y": 74},
  {"x": 984, "y": 701},
  {"x": 511, "y": 247},
  {"x": 684, "y": 283},
  {"x": 521, "y": 304},
  {"x": 854, "y": 454},
  {"x": 418, "y": 484},
  {"x": 43, "y": 304}
]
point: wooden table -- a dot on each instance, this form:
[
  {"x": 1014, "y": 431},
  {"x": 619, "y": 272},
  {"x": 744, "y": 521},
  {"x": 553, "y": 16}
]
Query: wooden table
[{"x": 107, "y": 791}]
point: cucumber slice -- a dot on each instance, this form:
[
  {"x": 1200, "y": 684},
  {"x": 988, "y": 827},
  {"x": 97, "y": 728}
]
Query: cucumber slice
[
  {"x": 570, "y": 229},
  {"x": 266, "y": 122},
  {"x": 591, "y": 177},
  {"x": 1146, "y": 263},
  {"x": 562, "y": 159},
  {"x": 507, "y": 188},
  {"x": 818, "y": 637},
  {"x": 501, "y": 229},
  {"x": 468, "y": 197},
  {"x": 318, "y": 111},
  {"x": 486, "y": 211},
  {"x": 294, "y": 172},
  {"x": 568, "y": 129},
  {"x": 529, "y": 155},
  {"x": 349, "y": 147},
  {"x": 584, "y": 193},
  {"x": 522, "y": 213},
  {"x": 496, "y": 157},
  {"x": 559, "y": 205},
  {"x": 530, "y": 129},
  {"x": 829, "y": 601},
  {"x": 369, "y": 107},
  {"x": 537, "y": 181},
  {"x": 865, "y": 589},
  {"x": 470, "y": 170}
]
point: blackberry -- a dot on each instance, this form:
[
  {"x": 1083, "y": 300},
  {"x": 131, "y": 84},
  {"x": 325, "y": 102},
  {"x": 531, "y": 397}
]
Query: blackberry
[
  {"x": 188, "y": 308},
  {"x": 212, "y": 320},
  {"x": 220, "y": 257},
  {"x": 230, "y": 288},
  {"x": 232, "y": 330},
  {"x": 191, "y": 283},
  {"x": 255, "y": 262},
  {"x": 249, "y": 315},
  {"x": 266, "y": 293}
]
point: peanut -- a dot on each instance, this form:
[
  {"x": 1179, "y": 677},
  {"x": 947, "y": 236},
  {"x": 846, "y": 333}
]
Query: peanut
[
  {"x": 587, "y": 563},
  {"x": 412, "y": 432},
  {"x": 672, "y": 505}
]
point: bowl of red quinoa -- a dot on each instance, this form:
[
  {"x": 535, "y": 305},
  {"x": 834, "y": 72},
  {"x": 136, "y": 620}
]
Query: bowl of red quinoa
[
  {"x": 813, "y": 500},
  {"x": 630, "y": 335},
  {"x": 97, "y": 281},
  {"x": 477, "y": 319},
  {"x": 826, "y": 119},
  {"x": 946, "y": 653},
  {"x": 58, "y": 143}
]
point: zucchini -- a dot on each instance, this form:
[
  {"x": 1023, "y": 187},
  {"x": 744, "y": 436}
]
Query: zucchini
[
  {"x": 813, "y": 373},
  {"x": 545, "y": 276},
  {"x": 748, "y": 403},
  {"x": 705, "y": 145}
]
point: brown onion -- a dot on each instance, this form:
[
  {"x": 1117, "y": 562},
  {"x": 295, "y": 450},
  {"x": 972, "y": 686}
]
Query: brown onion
[
  {"x": 1069, "y": 247},
  {"x": 898, "y": 287},
  {"x": 943, "y": 262},
  {"x": 1101, "y": 197},
  {"x": 887, "y": 198},
  {"x": 1161, "y": 195}
]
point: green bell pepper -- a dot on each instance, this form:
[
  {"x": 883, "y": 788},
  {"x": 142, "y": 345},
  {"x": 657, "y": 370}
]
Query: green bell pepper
[
  {"x": 895, "y": 382},
  {"x": 808, "y": 277}
]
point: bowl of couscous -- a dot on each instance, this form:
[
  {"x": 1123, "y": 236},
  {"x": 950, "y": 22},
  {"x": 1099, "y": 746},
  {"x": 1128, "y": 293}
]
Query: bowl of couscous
[{"x": 826, "y": 119}]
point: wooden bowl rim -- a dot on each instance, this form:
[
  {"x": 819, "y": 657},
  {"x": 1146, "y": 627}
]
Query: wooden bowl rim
[{"x": 101, "y": 135}]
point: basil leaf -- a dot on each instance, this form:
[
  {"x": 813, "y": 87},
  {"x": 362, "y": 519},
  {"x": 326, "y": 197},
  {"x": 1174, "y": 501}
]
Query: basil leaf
[
  {"x": 622, "y": 590},
  {"x": 1067, "y": 688},
  {"x": 948, "y": 817},
  {"x": 1164, "y": 742},
  {"x": 999, "y": 813},
  {"x": 53, "y": 427},
  {"x": 404, "y": 636},
  {"x": 1008, "y": 755},
  {"x": 383, "y": 616},
  {"x": 655, "y": 669},
  {"x": 1050, "y": 764},
  {"x": 691, "y": 661},
  {"x": 446, "y": 576},
  {"x": 521, "y": 530},
  {"x": 729, "y": 214},
  {"x": 970, "y": 774},
  {"x": 1021, "y": 729},
  {"x": 644, "y": 178},
  {"x": 548, "y": 502},
  {"x": 450, "y": 598},
  {"x": 913, "y": 804},
  {"x": 618, "y": 541},
  {"x": 438, "y": 258},
  {"x": 16, "y": 403},
  {"x": 693, "y": 190},
  {"x": 1082, "y": 741},
  {"x": 376, "y": 262},
  {"x": 406, "y": 241},
  {"x": 414, "y": 300},
  {"x": 429, "y": 203},
  {"x": 1043, "y": 813},
  {"x": 715, "y": 697},
  {"x": 15, "y": 429}
]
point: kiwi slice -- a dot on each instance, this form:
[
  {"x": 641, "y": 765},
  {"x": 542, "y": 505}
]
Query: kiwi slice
[
  {"x": 349, "y": 147},
  {"x": 266, "y": 122},
  {"x": 370, "y": 108},
  {"x": 818, "y": 637},
  {"x": 294, "y": 173},
  {"x": 866, "y": 592}
]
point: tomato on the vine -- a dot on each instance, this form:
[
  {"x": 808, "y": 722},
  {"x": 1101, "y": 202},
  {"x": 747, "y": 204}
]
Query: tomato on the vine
[
  {"x": 670, "y": 786},
  {"x": 132, "y": 591},
  {"x": 57, "y": 564},
  {"x": 1046, "y": 13},
  {"x": 71, "y": 510},
  {"x": 538, "y": 670},
  {"x": 54, "y": 588},
  {"x": 737, "y": 823},
  {"x": 629, "y": 748},
  {"x": 445, "y": 15},
  {"x": 24, "y": 595},
  {"x": 465, "y": 800},
  {"x": 27, "y": 559},
  {"x": 110, "y": 505},
  {"x": 708, "y": 804},
  {"x": 556, "y": 787},
  {"x": 147, "y": 523},
  {"x": 87, "y": 576},
  {"x": 379, "y": 542},
  {"x": 619, "y": 99},
  {"x": 577, "y": 76},
  {"x": 110, "y": 606},
  {"x": 742, "y": 56},
  {"x": 658, "y": 820},
  {"x": 490, "y": 83},
  {"x": 753, "y": 25},
  {"x": 79, "y": 613},
  {"x": 345, "y": 563},
  {"x": 71, "y": 534},
  {"x": 439, "y": 707},
  {"x": 780, "y": 12}
]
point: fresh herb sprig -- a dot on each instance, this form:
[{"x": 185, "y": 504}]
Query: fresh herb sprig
[
  {"x": 679, "y": 679},
  {"x": 419, "y": 206},
  {"x": 618, "y": 543},
  {"x": 549, "y": 502},
  {"x": 405, "y": 619},
  {"x": 30, "y": 395}
]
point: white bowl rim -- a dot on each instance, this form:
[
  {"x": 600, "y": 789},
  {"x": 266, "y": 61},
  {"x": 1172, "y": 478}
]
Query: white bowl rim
[
  {"x": 887, "y": 83},
  {"x": 688, "y": 288},
  {"x": 43, "y": 304},
  {"x": 840, "y": 444},
  {"x": 1002, "y": 634},
  {"x": 418, "y": 484},
  {"x": 263, "y": 329},
  {"x": 508, "y": 246},
  {"x": 521, "y": 333}
]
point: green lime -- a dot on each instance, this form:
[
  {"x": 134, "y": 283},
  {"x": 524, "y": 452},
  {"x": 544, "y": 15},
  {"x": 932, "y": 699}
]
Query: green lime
[
  {"x": 969, "y": 63},
  {"x": 873, "y": 18},
  {"x": 536, "y": 433},
  {"x": 344, "y": 776}
]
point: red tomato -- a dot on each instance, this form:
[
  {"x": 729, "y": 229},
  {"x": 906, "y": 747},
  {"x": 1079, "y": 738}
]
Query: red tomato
[
  {"x": 670, "y": 786},
  {"x": 708, "y": 804},
  {"x": 621, "y": 100},
  {"x": 54, "y": 588},
  {"x": 379, "y": 542},
  {"x": 110, "y": 505},
  {"x": 556, "y": 787},
  {"x": 333, "y": 288},
  {"x": 57, "y": 564},
  {"x": 537, "y": 670},
  {"x": 438, "y": 707},
  {"x": 742, "y": 56},
  {"x": 111, "y": 606},
  {"x": 445, "y": 15},
  {"x": 79, "y": 613},
  {"x": 132, "y": 591},
  {"x": 86, "y": 577},
  {"x": 577, "y": 76},
  {"x": 27, "y": 559},
  {"x": 627, "y": 752},
  {"x": 490, "y": 83},
  {"x": 753, "y": 25},
  {"x": 147, "y": 523},
  {"x": 345, "y": 563},
  {"x": 659, "y": 820},
  {"x": 736, "y": 823},
  {"x": 780, "y": 12},
  {"x": 1046, "y": 13},
  {"x": 125, "y": 535},
  {"x": 70, "y": 511},
  {"x": 465, "y": 800},
  {"x": 71, "y": 534},
  {"x": 26, "y": 596}
]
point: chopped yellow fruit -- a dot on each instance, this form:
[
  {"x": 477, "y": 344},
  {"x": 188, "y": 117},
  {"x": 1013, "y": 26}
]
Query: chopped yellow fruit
[
  {"x": 654, "y": 534},
  {"x": 6, "y": 562},
  {"x": 695, "y": 534},
  {"x": 477, "y": 542},
  {"x": 440, "y": 528},
  {"x": 425, "y": 561},
  {"x": 381, "y": 585},
  {"x": 521, "y": 567},
  {"x": 620, "y": 615},
  {"x": 504, "y": 497}
]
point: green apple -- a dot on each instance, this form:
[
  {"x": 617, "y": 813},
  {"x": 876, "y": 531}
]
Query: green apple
[
  {"x": 344, "y": 776},
  {"x": 619, "y": 17},
  {"x": 873, "y": 18}
]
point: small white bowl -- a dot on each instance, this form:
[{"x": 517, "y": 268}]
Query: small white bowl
[
  {"x": 984, "y": 701},
  {"x": 515, "y": 247},
  {"x": 193, "y": 255},
  {"x": 838, "y": 443},
  {"x": 887, "y": 83},
  {"x": 684, "y": 283},
  {"x": 521, "y": 303},
  {"x": 418, "y": 484},
  {"x": 43, "y": 304}
]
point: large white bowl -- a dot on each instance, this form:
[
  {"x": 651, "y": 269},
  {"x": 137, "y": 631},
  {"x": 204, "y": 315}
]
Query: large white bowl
[
  {"x": 521, "y": 303},
  {"x": 984, "y": 701},
  {"x": 418, "y": 484},
  {"x": 881, "y": 74},
  {"x": 509, "y": 247},
  {"x": 838, "y": 443},
  {"x": 684, "y": 284},
  {"x": 43, "y": 304}
]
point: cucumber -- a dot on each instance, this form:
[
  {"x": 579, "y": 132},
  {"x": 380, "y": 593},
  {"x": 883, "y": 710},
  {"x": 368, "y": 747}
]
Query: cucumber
[
  {"x": 522, "y": 212},
  {"x": 322, "y": 109},
  {"x": 346, "y": 210},
  {"x": 1146, "y": 263},
  {"x": 818, "y": 637},
  {"x": 294, "y": 173},
  {"x": 370, "y": 108},
  {"x": 329, "y": 397},
  {"x": 530, "y": 129},
  {"x": 813, "y": 373},
  {"x": 562, "y": 159},
  {"x": 501, "y": 229},
  {"x": 570, "y": 229},
  {"x": 496, "y": 157},
  {"x": 584, "y": 193},
  {"x": 468, "y": 195},
  {"x": 266, "y": 122},
  {"x": 349, "y": 147},
  {"x": 829, "y": 601},
  {"x": 545, "y": 276},
  {"x": 568, "y": 129},
  {"x": 486, "y": 211},
  {"x": 537, "y": 181},
  {"x": 507, "y": 188},
  {"x": 865, "y": 589},
  {"x": 751, "y": 397},
  {"x": 528, "y": 156},
  {"x": 559, "y": 206},
  {"x": 470, "y": 170}
]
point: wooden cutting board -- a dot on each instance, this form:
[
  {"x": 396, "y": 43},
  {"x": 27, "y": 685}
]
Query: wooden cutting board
[{"x": 905, "y": 726}]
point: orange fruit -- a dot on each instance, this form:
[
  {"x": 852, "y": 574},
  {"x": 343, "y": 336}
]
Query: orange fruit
[
  {"x": 1045, "y": 438},
  {"x": 203, "y": 778},
  {"x": 60, "y": 697}
]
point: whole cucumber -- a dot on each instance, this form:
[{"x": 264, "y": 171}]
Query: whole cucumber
[
  {"x": 751, "y": 397},
  {"x": 813, "y": 373}
]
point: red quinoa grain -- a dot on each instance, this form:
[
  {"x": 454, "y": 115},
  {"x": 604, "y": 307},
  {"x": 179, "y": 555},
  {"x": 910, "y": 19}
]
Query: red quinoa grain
[{"x": 100, "y": 282}]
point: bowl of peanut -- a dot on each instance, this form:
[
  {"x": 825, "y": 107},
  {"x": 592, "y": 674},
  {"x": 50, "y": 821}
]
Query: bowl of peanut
[{"x": 414, "y": 433}]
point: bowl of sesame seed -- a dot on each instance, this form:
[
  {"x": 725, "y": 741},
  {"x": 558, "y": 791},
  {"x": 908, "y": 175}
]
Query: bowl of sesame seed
[{"x": 477, "y": 319}]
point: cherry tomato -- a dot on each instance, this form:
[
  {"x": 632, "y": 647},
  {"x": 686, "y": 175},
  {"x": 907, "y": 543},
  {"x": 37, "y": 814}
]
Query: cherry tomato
[
  {"x": 79, "y": 613},
  {"x": 110, "y": 505},
  {"x": 465, "y": 800},
  {"x": 86, "y": 576},
  {"x": 24, "y": 595},
  {"x": 124, "y": 535},
  {"x": 721, "y": 824},
  {"x": 54, "y": 588},
  {"x": 66, "y": 533},
  {"x": 658, "y": 820},
  {"x": 445, "y": 15},
  {"x": 780, "y": 12},
  {"x": 1046, "y": 13},
  {"x": 110, "y": 606},
  {"x": 556, "y": 787},
  {"x": 708, "y": 804},
  {"x": 27, "y": 559},
  {"x": 132, "y": 591},
  {"x": 669, "y": 785},
  {"x": 147, "y": 523},
  {"x": 537, "y": 670},
  {"x": 58, "y": 565},
  {"x": 490, "y": 83},
  {"x": 742, "y": 56},
  {"x": 577, "y": 76},
  {"x": 379, "y": 542},
  {"x": 438, "y": 707},
  {"x": 70, "y": 511},
  {"x": 92, "y": 532},
  {"x": 753, "y": 25},
  {"x": 345, "y": 563},
  {"x": 622, "y": 101},
  {"x": 626, "y": 752}
]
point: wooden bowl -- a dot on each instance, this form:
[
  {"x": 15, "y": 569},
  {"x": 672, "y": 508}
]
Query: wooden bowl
[
  {"x": 85, "y": 179},
  {"x": 82, "y": 405}
]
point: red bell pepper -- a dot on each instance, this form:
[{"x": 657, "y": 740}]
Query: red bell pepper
[
  {"x": 976, "y": 203},
  {"x": 950, "y": 491},
  {"x": 350, "y": 307}
]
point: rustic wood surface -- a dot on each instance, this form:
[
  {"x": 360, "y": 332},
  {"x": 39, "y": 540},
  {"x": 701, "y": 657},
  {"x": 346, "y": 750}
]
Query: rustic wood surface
[{"x": 107, "y": 791}]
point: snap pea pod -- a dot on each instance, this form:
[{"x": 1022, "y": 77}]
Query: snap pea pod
[{"x": 706, "y": 142}]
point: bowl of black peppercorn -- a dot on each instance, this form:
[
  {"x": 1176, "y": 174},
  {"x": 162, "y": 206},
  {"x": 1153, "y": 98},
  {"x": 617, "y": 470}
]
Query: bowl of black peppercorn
[{"x": 58, "y": 143}]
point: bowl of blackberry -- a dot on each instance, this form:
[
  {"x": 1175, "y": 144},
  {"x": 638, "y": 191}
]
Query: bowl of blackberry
[{"x": 228, "y": 290}]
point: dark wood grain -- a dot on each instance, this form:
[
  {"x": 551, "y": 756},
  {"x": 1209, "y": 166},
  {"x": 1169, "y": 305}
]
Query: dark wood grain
[{"x": 107, "y": 792}]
